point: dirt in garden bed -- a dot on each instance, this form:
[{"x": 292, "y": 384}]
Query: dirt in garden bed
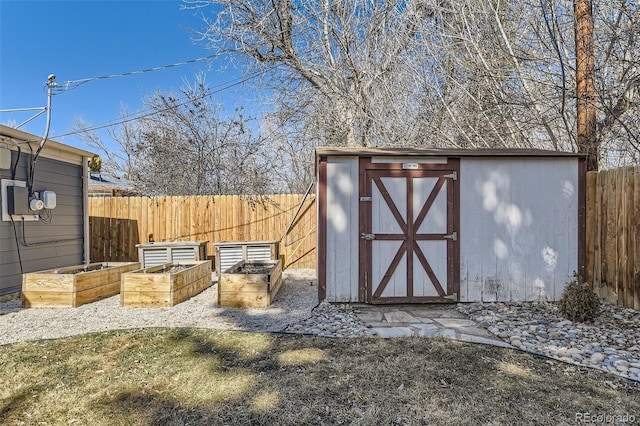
[
  {"x": 171, "y": 270},
  {"x": 82, "y": 269},
  {"x": 254, "y": 268}
]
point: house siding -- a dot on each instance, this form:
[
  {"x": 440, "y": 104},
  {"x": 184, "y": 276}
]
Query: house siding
[{"x": 67, "y": 223}]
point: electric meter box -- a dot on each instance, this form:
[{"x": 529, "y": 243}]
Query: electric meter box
[
  {"x": 49, "y": 199},
  {"x": 18, "y": 197}
]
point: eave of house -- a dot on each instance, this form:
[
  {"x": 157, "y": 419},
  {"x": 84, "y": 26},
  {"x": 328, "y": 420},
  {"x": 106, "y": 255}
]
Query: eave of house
[{"x": 29, "y": 143}]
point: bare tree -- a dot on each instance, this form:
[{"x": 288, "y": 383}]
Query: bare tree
[
  {"x": 188, "y": 147},
  {"x": 293, "y": 152},
  {"x": 500, "y": 83},
  {"x": 438, "y": 73},
  {"x": 121, "y": 158},
  {"x": 338, "y": 59},
  {"x": 506, "y": 76},
  {"x": 184, "y": 145},
  {"x": 617, "y": 47}
]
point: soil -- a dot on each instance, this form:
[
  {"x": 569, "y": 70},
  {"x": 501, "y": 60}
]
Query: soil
[
  {"x": 254, "y": 268},
  {"x": 82, "y": 269},
  {"x": 171, "y": 270}
]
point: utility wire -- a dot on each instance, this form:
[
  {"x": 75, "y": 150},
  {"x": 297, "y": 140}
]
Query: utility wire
[
  {"x": 72, "y": 84},
  {"x": 149, "y": 112}
]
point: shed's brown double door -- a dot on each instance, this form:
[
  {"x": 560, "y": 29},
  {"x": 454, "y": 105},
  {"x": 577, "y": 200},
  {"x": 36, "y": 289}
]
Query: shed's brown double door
[{"x": 408, "y": 236}]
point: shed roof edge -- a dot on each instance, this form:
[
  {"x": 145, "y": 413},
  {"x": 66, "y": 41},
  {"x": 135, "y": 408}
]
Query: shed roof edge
[{"x": 323, "y": 151}]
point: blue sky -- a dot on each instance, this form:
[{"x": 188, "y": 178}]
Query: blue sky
[{"x": 83, "y": 39}]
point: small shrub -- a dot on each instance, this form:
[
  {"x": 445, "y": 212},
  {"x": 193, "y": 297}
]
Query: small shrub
[{"x": 579, "y": 302}]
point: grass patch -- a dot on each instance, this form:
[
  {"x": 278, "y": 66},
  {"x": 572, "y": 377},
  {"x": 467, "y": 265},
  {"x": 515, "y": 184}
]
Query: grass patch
[{"x": 163, "y": 376}]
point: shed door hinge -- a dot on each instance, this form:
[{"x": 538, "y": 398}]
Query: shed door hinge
[
  {"x": 453, "y": 176},
  {"x": 365, "y": 199},
  {"x": 452, "y": 237},
  {"x": 366, "y": 236}
]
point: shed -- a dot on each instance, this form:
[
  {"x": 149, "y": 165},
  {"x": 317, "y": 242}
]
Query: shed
[
  {"x": 448, "y": 225},
  {"x": 54, "y": 235}
]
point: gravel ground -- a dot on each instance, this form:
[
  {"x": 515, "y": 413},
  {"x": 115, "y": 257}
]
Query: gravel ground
[
  {"x": 610, "y": 343},
  {"x": 294, "y": 302}
]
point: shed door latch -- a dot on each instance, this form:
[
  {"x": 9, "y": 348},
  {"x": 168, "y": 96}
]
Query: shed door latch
[
  {"x": 366, "y": 236},
  {"x": 453, "y": 176},
  {"x": 452, "y": 237},
  {"x": 365, "y": 199}
]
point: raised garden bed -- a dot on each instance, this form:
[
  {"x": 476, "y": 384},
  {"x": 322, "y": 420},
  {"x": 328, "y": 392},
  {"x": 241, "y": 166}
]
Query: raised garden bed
[
  {"x": 73, "y": 286},
  {"x": 250, "y": 284},
  {"x": 165, "y": 285}
]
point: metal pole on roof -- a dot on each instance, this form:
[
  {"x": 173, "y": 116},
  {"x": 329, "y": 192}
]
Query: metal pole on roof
[{"x": 51, "y": 84}]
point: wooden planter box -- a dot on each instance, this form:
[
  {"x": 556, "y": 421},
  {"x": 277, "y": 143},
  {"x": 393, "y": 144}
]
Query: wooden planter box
[
  {"x": 73, "y": 286},
  {"x": 159, "y": 286},
  {"x": 239, "y": 288},
  {"x": 229, "y": 253}
]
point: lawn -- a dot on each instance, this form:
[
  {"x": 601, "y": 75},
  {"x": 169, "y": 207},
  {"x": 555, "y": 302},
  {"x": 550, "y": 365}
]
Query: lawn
[{"x": 188, "y": 376}]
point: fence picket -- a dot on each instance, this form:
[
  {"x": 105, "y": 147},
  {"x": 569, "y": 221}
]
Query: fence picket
[
  {"x": 613, "y": 223},
  {"x": 117, "y": 224}
]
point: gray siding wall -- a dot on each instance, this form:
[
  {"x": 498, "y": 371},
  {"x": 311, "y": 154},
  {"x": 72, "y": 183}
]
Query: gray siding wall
[
  {"x": 66, "y": 181},
  {"x": 342, "y": 229},
  {"x": 518, "y": 228}
]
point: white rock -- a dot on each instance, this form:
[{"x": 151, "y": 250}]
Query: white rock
[
  {"x": 621, "y": 368},
  {"x": 622, "y": 363}
]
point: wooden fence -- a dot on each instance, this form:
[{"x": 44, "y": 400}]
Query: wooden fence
[
  {"x": 117, "y": 224},
  {"x": 613, "y": 235}
]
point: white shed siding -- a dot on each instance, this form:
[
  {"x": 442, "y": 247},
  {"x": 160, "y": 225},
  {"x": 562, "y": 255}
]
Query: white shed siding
[
  {"x": 342, "y": 229},
  {"x": 518, "y": 227}
]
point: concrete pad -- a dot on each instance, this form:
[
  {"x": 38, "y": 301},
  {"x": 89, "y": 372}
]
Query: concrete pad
[
  {"x": 428, "y": 332},
  {"x": 437, "y": 313},
  {"x": 390, "y": 332},
  {"x": 421, "y": 318},
  {"x": 423, "y": 326},
  {"x": 455, "y": 322},
  {"x": 477, "y": 339},
  {"x": 400, "y": 316},
  {"x": 451, "y": 334},
  {"x": 373, "y": 316},
  {"x": 476, "y": 331},
  {"x": 386, "y": 324}
]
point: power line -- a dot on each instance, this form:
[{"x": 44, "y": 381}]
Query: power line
[
  {"x": 72, "y": 84},
  {"x": 149, "y": 112}
]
